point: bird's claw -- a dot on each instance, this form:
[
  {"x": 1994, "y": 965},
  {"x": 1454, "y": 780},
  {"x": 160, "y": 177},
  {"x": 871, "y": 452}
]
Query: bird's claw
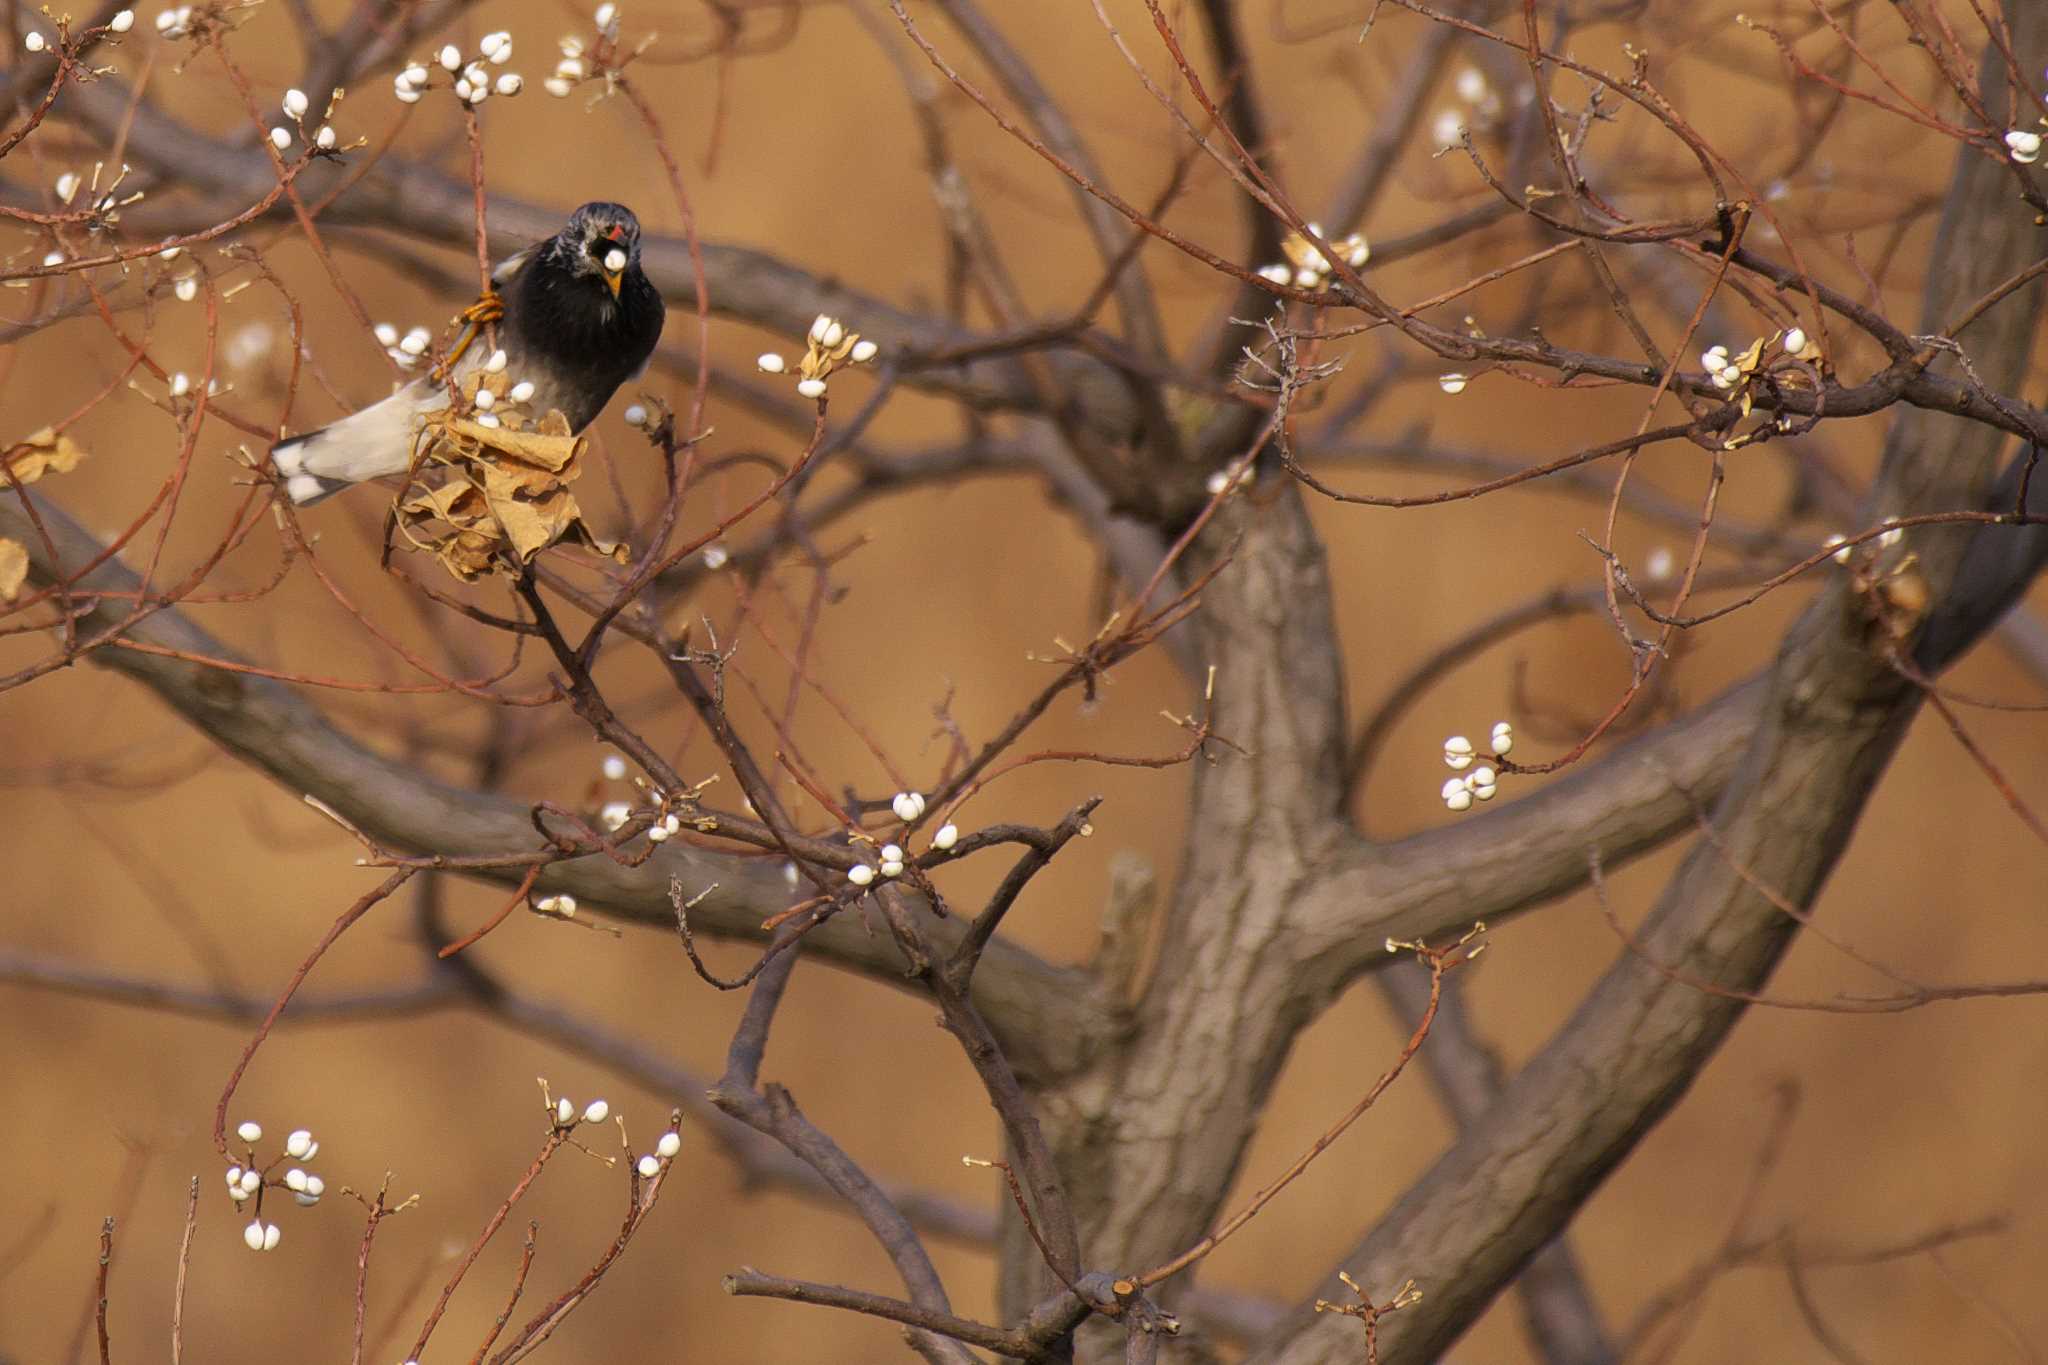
[
  {"x": 479, "y": 315},
  {"x": 485, "y": 310}
]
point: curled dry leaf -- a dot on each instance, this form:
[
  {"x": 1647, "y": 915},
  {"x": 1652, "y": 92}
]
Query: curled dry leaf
[
  {"x": 46, "y": 451},
  {"x": 484, "y": 498},
  {"x": 13, "y": 568}
]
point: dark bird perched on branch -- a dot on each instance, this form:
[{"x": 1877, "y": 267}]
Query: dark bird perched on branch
[{"x": 576, "y": 318}]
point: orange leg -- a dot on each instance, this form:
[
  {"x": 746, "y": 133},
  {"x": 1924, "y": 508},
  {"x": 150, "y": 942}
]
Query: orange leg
[{"x": 476, "y": 317}]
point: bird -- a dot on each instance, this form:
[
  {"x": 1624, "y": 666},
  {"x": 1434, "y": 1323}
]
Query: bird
[{"x": 576, "y": 318}]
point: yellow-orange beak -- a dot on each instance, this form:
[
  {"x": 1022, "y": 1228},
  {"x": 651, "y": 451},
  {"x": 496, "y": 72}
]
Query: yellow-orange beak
[{"x": 612, "y": 280}]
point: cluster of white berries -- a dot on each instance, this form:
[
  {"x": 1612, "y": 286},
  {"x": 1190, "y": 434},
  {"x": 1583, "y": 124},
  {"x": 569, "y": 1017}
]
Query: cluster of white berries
[
  {"x": 828, "y": 346},
  {"x": 573, "y": 69},
  {"x": 1306, "y": 267},
  {"x": 665, "y": 1149},
  {"x": 1482, "y": 106},
  {"x": 473, "y": 82},
  {"x": 104, "y": 204},
  {"x": 563, "y": 905},
  {"x": 565, "y": 1117},
  {"x": 617, "y": 813},
  {"x": 2023, "y": 145},
  {"x": 1454, "y": 382},
  {"x": 1728, "y": 371},
  {"x": 175, "y": 22},
  {"x": 1459, "y": 793},
  {"x": 497, "y": 400},
  {"x": 295, "y": 106},
  {"x": 122, "y": 21},
  {"x": 909, "y": 807},
  {"x": 1714, "y": 360},
  {"x": 405, "y": 351},
  {"x": 247, "y": 1182},
  {"x": 1843, "y": 551}
]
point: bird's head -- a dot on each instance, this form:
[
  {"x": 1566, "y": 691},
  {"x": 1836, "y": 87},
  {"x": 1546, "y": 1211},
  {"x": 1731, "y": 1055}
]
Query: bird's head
[{"x": 602, "y": 240}]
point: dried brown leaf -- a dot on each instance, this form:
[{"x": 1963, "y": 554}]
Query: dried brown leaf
[
  {"x": 13, "y": 569},
  {"x": 42, "y": 453},
  {"x": 502, "y": 490}
]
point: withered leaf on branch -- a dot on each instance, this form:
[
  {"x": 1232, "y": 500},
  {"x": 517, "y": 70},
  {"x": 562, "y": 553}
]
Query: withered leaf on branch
[
  {"x": 13, "y": 568},
  {"x": 497, "y": 496},
  {"x": 46, "y": 451}
]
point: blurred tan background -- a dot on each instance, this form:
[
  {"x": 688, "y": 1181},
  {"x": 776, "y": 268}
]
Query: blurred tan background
[{"x": 131, "y": 845}]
